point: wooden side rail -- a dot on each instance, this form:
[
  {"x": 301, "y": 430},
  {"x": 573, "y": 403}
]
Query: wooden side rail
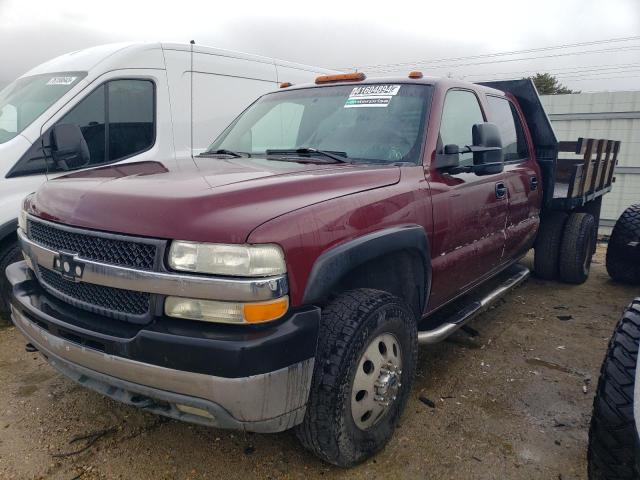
[{"x": 592, "y": 172}]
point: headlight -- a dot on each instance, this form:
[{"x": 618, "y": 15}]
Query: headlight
[
  {"x": 222, "y": 259},
  {"x": 226, "y": 312}
]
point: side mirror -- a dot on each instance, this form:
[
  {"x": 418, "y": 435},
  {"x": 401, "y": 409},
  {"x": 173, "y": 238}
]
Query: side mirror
[
  {"x": 450, "y": 158},
  {"x": 488, "y": 158},
  {"x": 68, "y": 147}
]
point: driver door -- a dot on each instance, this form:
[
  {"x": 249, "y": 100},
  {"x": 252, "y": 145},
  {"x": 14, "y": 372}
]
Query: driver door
[{"x": 469, "y": 211}]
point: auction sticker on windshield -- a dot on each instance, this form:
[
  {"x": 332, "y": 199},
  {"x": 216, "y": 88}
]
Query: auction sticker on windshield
[
  {"x": 61, "y": 80},
  {"x": 371, "y": 96}
]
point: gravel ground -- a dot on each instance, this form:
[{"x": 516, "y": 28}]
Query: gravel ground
[{"x": 513, "y": 402}]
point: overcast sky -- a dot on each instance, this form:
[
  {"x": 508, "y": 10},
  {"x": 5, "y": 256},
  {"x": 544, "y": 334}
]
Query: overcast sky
[{"x": 351, "y": 34}]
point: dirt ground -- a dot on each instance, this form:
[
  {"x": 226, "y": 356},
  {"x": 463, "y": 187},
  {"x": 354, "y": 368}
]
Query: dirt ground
[{"x": 509, "y": 403}]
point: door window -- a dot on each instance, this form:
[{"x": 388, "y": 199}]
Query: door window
[
  {"x": 131, "y": 117},
  {"x": 460, "y": 113},
  {"x": 90, "y": 116},
  {"x": 505, "y": 116},
  {"x": 116, "y": 119}
]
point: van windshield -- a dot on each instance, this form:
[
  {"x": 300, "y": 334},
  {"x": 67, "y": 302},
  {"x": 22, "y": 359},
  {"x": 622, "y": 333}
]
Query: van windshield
[
  {"x": 370, "y": 123},
  {"x": 24, "y": 100}
]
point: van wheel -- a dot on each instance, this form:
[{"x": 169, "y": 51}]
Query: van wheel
[
  {"x": 612, "y": 435},
  {"x": 623, "y": 251},
  {"x": 364, "y": 368},
  {"x": 576, "y": 248},
  {"x": 547, "y": 246},
  {"x": 8, "y": 255}
]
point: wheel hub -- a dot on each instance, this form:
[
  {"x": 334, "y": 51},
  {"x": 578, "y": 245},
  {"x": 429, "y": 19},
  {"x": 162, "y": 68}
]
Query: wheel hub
[
  {"x": 387, "y": 384},
  {"x": 377, "y": 381}
]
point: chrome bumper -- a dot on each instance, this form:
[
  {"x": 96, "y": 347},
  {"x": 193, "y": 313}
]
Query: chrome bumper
[
  {"x": 271, "y": 402},
  {"x": 175, "y": 284}
]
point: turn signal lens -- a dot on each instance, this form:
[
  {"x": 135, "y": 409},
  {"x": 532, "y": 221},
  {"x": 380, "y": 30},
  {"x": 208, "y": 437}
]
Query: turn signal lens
[
  {"x": 265, "y": 312},
  {"x": 343, "y": 77}
]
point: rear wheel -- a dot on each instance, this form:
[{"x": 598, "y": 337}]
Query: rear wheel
[
  {"x": 547, "y": 246},
  {"x": 9, "y": 254},
  {"x": 576, "y": 248},
  {"x": 364, "y": 369},
  {"x": 613, "y": 436},
  {"x": 623, "y": 251}
]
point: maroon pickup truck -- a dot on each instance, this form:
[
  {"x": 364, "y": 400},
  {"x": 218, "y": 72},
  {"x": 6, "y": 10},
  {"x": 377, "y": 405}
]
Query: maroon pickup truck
[{"x": 286, "y": 278}]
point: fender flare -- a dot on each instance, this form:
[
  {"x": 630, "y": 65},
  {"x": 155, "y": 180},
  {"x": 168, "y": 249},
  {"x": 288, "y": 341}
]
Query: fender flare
[{"x": 332, "y": 265}]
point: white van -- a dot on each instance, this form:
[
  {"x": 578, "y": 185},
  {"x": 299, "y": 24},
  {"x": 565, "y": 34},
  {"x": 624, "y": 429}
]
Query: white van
[{"x": 130, "y": 102}]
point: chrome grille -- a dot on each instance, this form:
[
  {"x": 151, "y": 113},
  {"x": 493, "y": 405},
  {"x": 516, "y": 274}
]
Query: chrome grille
[
  {"x": 108, "y": 301},
  {"x": 92, "y": 246}
]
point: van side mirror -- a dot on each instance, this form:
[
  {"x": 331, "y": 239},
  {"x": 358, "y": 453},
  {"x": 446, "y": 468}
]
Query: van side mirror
[
  {"x": 450, "y": 158},
  {"x": 488, "y": 158},
  {"x": 68, "y": 147}
]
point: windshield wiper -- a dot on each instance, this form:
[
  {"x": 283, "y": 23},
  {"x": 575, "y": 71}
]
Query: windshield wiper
[
  {"x": 223, "y": 151},
  {"x": 340, "y": 157}
]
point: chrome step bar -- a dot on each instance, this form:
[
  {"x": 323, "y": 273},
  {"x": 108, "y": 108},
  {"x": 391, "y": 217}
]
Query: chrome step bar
[{"x": 453, "y": 323}]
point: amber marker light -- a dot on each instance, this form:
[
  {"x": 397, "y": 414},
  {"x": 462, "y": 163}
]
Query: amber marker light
[
  {"x": 285, "y": 84},
  {"x": 415, "y": 74},
  {"x": 266, "y": 311},
  {"x": 343, "y": 77}
]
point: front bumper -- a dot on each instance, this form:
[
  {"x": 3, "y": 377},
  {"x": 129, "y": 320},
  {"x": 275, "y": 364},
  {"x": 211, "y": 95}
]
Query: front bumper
[{"x": 138, "y": 367}]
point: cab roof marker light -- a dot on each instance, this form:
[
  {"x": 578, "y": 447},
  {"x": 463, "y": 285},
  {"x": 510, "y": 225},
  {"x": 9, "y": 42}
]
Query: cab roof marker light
[
  {"x": 343, "y": 77},
  {"x": 285, "y": 84},
  {"x": 415, "y": 74}
]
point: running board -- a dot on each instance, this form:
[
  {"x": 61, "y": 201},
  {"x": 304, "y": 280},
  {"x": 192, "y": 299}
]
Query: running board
[{"x": 518, "y": 274}]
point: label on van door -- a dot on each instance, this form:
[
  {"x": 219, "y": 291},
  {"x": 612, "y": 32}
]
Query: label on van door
[
  {"x": 61, "y": 80},
  {"x": 371, "y": 96}
]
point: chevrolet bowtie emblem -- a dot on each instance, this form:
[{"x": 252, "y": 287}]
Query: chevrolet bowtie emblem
[{"x": 68, "y": 266}]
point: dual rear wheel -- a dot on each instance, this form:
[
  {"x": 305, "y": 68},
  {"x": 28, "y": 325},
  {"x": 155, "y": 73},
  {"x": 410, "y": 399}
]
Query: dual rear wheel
[{"x": 565, "y": 246}]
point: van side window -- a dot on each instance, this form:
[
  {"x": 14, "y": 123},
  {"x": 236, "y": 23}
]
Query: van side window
[
  {"x": 461, "y": 111},
  {"x": 503, "y": 113},
  {"x": 116, "y": 119}
]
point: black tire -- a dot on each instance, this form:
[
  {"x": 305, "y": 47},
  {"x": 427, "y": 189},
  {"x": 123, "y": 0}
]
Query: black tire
[
  {"x": 623, "y": 251},
  {"x": 547, "y": 246},
  {"x": 349, "y": 324},
  {"x": 10, "y": 254},
  {"x": 576, "y": 248},
  {"x": 612, "y": 435}
]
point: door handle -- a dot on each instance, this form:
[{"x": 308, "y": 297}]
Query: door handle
[
  {"x": 534, "y": 183},
  {"x": 501, "y": 190}
]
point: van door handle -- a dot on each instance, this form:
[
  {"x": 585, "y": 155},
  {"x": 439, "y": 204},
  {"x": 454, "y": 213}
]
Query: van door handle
[
  {"x": 501, "y": 190},
  {"x": 534, "y": 183}
]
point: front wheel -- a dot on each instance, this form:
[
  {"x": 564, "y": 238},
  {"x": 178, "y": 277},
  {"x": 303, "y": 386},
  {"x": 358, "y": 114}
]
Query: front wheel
[{"x": 365, "y": 364}]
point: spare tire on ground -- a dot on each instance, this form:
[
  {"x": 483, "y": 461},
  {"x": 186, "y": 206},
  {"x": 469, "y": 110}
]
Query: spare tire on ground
[{"x": 623, "y": 252}]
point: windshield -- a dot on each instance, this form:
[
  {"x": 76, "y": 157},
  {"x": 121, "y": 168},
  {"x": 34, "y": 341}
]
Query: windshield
[
  {"x": 374, "y": 122},
  {"x": 24, "y": 100}
]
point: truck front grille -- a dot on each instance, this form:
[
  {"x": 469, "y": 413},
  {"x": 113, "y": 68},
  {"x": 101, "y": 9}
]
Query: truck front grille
[
  {"x": 96, "y": 246},
  {"x": 107, "y": 301}
]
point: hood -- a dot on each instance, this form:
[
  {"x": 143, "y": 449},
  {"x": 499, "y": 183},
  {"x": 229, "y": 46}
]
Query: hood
[{"x": 218, "y": 200}]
